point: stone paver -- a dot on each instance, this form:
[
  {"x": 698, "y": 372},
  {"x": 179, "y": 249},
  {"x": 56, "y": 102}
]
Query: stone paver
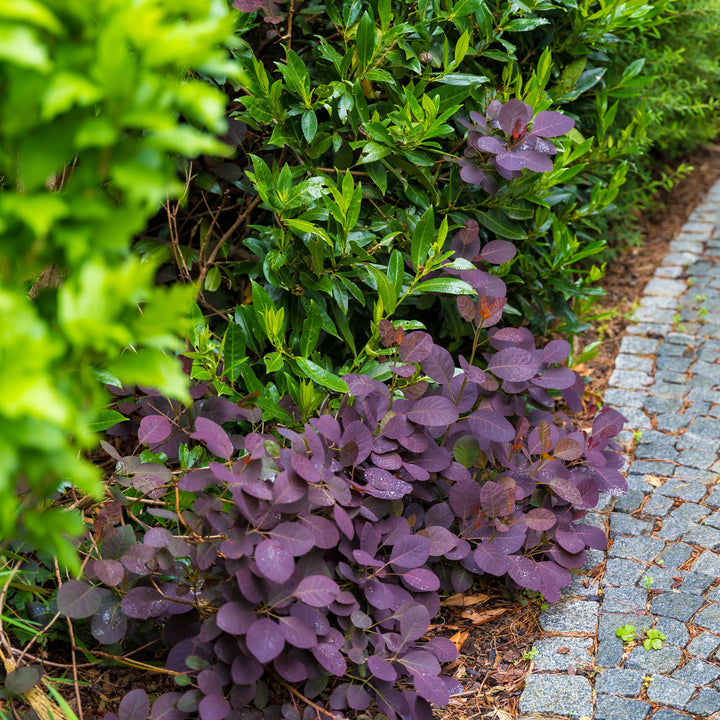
[{"x": 663, "y": 559}]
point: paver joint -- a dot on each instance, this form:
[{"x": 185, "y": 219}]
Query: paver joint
[{"x": 662, "y": 566}]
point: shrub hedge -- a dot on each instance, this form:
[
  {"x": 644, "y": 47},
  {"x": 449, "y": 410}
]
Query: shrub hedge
[{"x": 403, "y": 194}]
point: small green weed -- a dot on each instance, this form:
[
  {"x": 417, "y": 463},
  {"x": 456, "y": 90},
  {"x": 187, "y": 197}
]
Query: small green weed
[{"x": 651, "y": 639}]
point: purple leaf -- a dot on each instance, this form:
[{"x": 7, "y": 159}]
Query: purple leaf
[
  {"x": 214, "y": 437},
  {"x": 551, "y": 124},
  {"x": 134, "y": 706},
  {"x": 358, "y": 433},
  {"x": 592, "y": 536},
  {"x": 383, "y": 484},
  {"x": 422, "y": 580},
  {"x": 514, "y": 116},
  {"x": 330, "y": 658},
  {"x": 297, "y": 632},
  {"x": 553, "y": 577},
  {"x": 432, "y": 688},
  {"x": 291, "y": 666},
  {"x": 439, "y": 365},
  {"x": 246, "y": 670},
  {"x": 514, "y": 364},
  {"x": 555, "y": 378},
  {"x": 565, "y": 490},
  {"x": 265, "y": 640},
  {"x": 488, "y": 144},
  {"x": 471, "y": 173},
  {"x": 443, "y": 649},
  {"x": 410, "y": 551},
  {"x": 566, "y": 559},
  {"x": 109, "y": 623},
  {"x": 524, "y": 572},
  {"x": 111, "y": 572},
  {"x": 556, "y": 351},
  {"x": 154, "y": 429},
  {"x": 360, "y": 386},
  {"x": 77, "y": 600},
  {"x": 235, "y": 617},
  {"x": 441, "y": 540},
  {"x": 378, "y": 594},
  {"x": 164, "y": 707},
  {"x": 414, "y": 623},
  {"x": 297, "y": 539},
  {"x": 143, "y": 603},
  {"x": 357, "y": 697},
  {"x": 489, "y": 425},
  {"x": 464, "y": 498},
  {"x": 381, "y": 668},
  {"x": 415, "y": 347},
  {"x": 510, "y": 161},
  {"x": 491, "y": 558},
  {"x": 540, "y": 519},
  {"x": 568, "y": 449},
  {"x": 570, "y": 540},
  {"x": 495, "y": 500},
  {"x": 498, "y": 252},
  {"x": 535, "y": 161},
  {"x": 247, "y": 6},
  {"x": 328, "y": 427},
  {"x": 472, "y": 373},
  {"x": 433, "y": 411},
  {"x": 324, "y": 531},
  {"x": 512, "y": 337},
  {"x": 213, "y": 707},
  {"x": 420, "y": 662},
  {"x": 317, "y": 590},
  {"x": 274, "y": 561},
  {"x": 466, "y": 307}
]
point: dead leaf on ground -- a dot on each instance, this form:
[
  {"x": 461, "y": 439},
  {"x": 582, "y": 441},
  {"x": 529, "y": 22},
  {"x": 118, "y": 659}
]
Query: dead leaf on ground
[
  {"x": 653, "y": 480},
  {"x": 459, "y": 638},
  {"x": 463, "y": 600},
  {"x": 484, "y": 616}
]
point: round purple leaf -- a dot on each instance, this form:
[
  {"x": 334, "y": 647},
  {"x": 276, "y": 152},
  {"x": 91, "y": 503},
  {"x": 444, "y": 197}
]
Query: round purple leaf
[
  {"x": 422, "y": 580},
  {"x": 433, "y": 411},
  {"x": 514, "y": 115},
  {"x": 77, "y": 600},
  {"x": 317, "y": 590},
  {"x": 491, "y": 558},
  {"x": 497, "y": 252},
  {"x": 540, "y": 519},
  {"x": 143, "y": 603},
  {"x": 548, "y": 123},
  {"x": 111, "y": 572},
  {"x": 274, "y": 561},
  {"x": 381, "y": 668},
  {"x": 214, "y": 437},
  {"x": 416, "y": 346},
  {"x": 135, "y": 705},
  {"x": 235, "y": 617},
  {"x": 490, "y": 425},
  {"x": 556, "y": 351},
  {"x": 154, "y": 429},
  {"x": 514, "y": 364},
  {"x": 414, "y": 623},
  {"x": 265, "y": 640},
  {"x": 213, "y": 707}
]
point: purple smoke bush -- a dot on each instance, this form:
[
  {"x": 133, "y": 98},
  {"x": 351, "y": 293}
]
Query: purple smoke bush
[
  {"x": 316, "y": 555},
  {"x": 505, "y": 133}
]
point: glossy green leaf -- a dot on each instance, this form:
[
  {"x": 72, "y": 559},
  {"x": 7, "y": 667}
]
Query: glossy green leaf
[
  {"x": 366, "y": 40},
  {"x": 105, "y": 419},
  {"x": 447, "y": 286},
  {"x": 234, "y": 355},
  {"x": 422, "y": 238},
  {"x": 309, "y": 125},
  {"x": 322, "y": 376},
  {"x": 499, "y": 224}
]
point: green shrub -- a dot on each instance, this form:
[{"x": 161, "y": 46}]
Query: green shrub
[{"x": 93, "y": 94}]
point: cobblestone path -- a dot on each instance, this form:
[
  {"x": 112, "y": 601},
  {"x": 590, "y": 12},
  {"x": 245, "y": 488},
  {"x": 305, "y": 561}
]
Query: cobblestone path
[{"x": 663, "y": 564}]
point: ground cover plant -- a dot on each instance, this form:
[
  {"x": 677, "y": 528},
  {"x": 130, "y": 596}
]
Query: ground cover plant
[{"x": 402, "y": 195}]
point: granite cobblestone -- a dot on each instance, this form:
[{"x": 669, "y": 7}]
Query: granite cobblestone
[{"x": 663, "y": 556}]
